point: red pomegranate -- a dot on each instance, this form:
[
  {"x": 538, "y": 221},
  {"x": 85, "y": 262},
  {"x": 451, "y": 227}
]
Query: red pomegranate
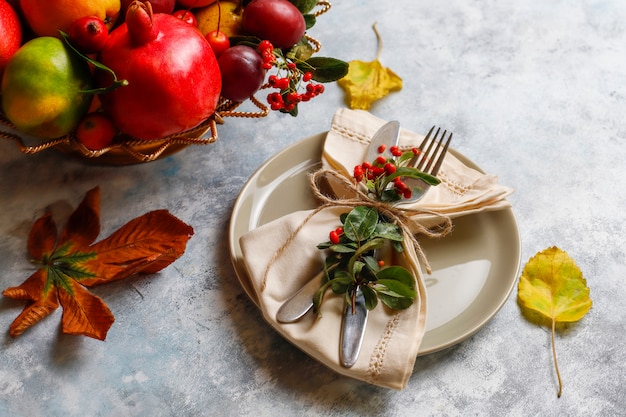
[{"x": 174, "y": 80}]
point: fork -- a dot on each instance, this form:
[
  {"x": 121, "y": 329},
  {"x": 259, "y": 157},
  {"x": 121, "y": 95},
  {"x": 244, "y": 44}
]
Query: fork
[{"x": 428, "y": 160}]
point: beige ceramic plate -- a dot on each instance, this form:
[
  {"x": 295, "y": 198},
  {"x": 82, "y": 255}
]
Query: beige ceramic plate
[{"x": 474, "y": 268}]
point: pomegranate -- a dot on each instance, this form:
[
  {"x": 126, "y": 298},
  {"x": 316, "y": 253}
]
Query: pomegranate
[{"x": 174, "y": 81}]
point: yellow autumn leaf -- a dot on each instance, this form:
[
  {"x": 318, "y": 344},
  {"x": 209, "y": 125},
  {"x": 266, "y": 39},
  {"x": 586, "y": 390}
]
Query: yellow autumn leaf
[
  {"x": 553, "y": 286},
  {"x": 367, "y": 82}
]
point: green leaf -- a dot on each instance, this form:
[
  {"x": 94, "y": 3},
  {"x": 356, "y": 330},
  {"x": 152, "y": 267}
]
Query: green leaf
[
  {"x": 357, "y": 267},
  {"x": 341, "y": 282},
  {"x": 372, "y": 263},
  {"x": 395, "y": 288},
  {"x": 342, "y": 248},
  {"x": 318, "y": 297},
  {"x": 300, "y": 52},
  {"x": 397, "y": 273},
  {"x": 395, "y": 303},
  {"x": 305, "y": 6},
  {"x": 389, "y": 231},
  {"x": 390, "y": 195},
  {"x": 360, "y": 223},
  {"x": 310, "y": 20},
  {"x": 371, "y": 299},
  {"x": 410, "y": 173},
  {"x": 323, "y": 69}
]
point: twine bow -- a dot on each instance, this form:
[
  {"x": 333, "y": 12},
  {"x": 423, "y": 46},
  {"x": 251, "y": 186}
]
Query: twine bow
[{"x": 402, "y": 216}]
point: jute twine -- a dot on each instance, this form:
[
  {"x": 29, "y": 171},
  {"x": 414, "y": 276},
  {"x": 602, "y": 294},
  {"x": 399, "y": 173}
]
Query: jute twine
[{"x": 404, "y": 217}]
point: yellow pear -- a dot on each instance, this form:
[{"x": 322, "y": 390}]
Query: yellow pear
[{"x": 227, "y": 12}]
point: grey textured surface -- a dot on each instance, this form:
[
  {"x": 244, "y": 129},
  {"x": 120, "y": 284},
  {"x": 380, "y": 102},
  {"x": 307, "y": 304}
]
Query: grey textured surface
[{"x": 535, "y": 93}]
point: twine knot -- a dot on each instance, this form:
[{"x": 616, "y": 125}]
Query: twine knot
[{"x": 405, "y": 217}]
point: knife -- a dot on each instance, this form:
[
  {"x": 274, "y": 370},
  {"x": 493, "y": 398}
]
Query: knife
[
  {"x": 353, "y": 330},
  {"x": 296, "y": 306}
]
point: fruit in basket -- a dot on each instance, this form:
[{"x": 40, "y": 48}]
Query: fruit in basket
[
  {"x": 11, "y": 33},
  {"x": 95, "y": 131},
  {"x": 278, "y": 21},
  {"x": 188, "y": 4},
  {"x": 88, "y": 34},
  {"x": 242, "y": 72},
  {"x": 158, "y": 6},
  {"x": 186, "y": 16},
  {"x": 46, "y": 18},
  {"x": 43, "y": 88},
  {"x": 174, "y": 81},
  {"x": 219, "y": 41},
  {"x": 224, "y": 16}
]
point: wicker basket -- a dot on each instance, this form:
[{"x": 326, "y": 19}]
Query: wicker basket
[{"x": 128, "y": 150}]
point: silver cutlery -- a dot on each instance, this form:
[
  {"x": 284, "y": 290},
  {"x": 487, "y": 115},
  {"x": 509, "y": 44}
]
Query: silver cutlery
[
  {"x": 296, "y": 306},
  {"x": 353, "y": 329},
  {"x": 388, "y": 135},
  {"x": 429, "y": 160}
]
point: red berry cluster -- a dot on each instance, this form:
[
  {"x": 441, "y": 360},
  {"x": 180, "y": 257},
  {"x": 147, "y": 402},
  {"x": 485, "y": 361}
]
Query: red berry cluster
[
  {"x": 289, "y": 80},
  {"x": 335, "y": 235},
  {"x": 376, "y": 173},
  {"x": 266, "y": 49}
]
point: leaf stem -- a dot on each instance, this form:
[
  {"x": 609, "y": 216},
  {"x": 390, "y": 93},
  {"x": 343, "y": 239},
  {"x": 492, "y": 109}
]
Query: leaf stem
[
  {"x": 114, "y": 84},
  {"x": 556, "y": 365},
  {"x": 380, "y": 41}
]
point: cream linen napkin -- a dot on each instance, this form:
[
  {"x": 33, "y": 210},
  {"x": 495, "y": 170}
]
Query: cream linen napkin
[
  {"x": 391, "y": 340},
  {"x": 282, "y": 256},
  {"x": 463, "y": 190}
]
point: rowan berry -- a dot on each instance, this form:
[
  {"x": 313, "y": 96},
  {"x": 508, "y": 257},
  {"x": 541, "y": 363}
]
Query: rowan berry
[
  {"x": 389, "y": 168},
  {"x": 381, "y": 148},
  {"x": 395, "y": 151},
  {"x": 265, "y": 45}
]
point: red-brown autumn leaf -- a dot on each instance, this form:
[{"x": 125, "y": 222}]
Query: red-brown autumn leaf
[{"x": 72, "y": 261}]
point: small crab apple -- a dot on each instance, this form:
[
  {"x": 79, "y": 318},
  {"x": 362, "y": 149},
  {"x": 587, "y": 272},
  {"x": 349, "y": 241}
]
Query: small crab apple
[
  {"x": 186, "y": 16},
  {"x": 218, "y": 41},
  {"x": 88, "y": 34},
  {"x": 95, "y": 131}
]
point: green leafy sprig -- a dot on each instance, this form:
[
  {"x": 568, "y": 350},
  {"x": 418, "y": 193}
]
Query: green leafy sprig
[{"x": 352, "y": 262}]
